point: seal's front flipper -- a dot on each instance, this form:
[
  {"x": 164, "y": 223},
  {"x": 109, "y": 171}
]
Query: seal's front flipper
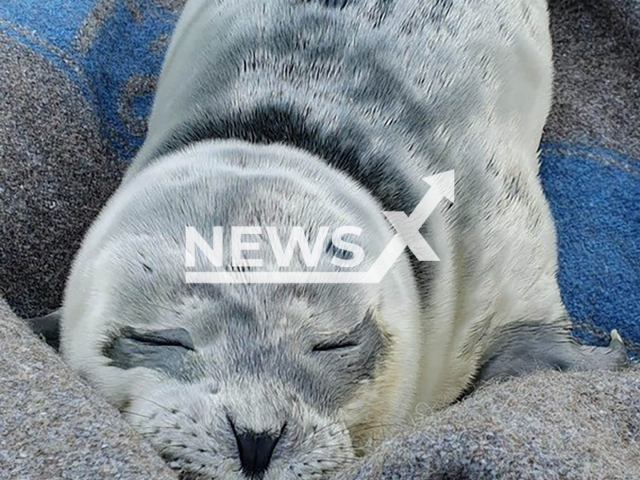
[
  {"x": 525, "y": 347},
  {"x": 48, "y": 327}
]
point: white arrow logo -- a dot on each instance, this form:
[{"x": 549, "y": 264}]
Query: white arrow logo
[{"x": 408, "y": 235}]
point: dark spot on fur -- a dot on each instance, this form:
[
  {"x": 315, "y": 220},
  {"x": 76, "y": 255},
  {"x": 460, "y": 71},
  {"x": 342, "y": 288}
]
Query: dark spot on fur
[
  {"x": 329, "y": 3},
  {"x": 440, "y": 10}
]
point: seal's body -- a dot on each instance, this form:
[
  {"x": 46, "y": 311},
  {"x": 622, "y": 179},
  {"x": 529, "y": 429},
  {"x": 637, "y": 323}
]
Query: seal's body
[{"x": 312, "y": 113}]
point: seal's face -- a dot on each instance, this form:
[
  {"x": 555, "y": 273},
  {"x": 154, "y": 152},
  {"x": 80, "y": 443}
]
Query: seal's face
[
  {"x": 271, "y": 381},
  {"x": 261, "y": 390}
]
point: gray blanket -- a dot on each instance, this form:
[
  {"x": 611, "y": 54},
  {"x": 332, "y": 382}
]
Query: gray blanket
[
  {"x": 548, "y": 426},
  {"x": 59, "y": 162}
]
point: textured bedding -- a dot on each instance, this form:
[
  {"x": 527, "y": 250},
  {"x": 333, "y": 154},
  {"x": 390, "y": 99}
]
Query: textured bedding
[{"x": 76, "y": 85}]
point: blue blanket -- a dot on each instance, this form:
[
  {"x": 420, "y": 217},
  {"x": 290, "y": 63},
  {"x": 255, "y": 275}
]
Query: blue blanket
[{"x": 111, "y": 50}]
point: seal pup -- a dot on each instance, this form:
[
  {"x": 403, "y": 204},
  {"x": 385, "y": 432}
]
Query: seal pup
[{"x": 313, "y": 113}]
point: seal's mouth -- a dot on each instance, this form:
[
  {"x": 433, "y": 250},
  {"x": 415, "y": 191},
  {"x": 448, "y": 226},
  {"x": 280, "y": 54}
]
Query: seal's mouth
[{"x": 240, "y": 432}]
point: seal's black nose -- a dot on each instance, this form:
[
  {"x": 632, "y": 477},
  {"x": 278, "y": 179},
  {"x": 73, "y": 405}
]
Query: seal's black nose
[{"x": 255, "y": 450}]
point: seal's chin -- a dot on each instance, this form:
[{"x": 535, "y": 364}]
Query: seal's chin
[{"x": 209, "y": 430}]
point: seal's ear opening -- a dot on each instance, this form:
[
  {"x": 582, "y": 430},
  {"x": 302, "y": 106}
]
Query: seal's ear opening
[{"x": 48, "y": 327}]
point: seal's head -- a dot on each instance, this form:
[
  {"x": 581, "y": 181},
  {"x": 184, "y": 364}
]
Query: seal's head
[{"x": 234, "y": 381}]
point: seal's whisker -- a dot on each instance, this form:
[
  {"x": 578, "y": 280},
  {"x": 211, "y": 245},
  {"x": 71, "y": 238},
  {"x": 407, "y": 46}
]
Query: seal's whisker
[
  {"x": 345, "y": 429},
  {"x": 340, "y": 445},
  {"x": 366, "y": 428},
  {"x": 129, "y": 412},
  {"x": 172, "y": 410},
  {"x": 158, "y": 428},
  {"x": 329, "y": 425}
]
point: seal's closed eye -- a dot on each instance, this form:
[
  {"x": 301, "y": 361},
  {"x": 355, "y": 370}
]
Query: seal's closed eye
[
  {"x": 342, "y": 344},
  {"x": 158, "y": 349},
  {"x": 176, "y": 337}
]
